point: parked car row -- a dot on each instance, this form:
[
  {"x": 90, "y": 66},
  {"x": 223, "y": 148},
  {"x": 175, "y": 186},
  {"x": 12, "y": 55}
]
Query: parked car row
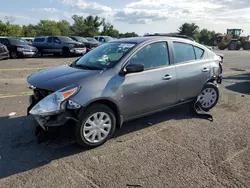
[{"x": 17, "y": 47}]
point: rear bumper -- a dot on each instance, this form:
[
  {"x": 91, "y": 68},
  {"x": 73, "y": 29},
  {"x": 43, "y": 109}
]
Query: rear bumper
[{"x": 219, "y": 79}]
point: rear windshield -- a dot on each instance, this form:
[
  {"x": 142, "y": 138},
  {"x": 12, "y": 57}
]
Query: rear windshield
[
  {"x": 39, "y": 40},
  {"x": 91, "y": 39},
  {"x": 81, "y": 39}
]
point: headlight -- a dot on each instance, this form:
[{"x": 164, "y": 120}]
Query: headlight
[
  {"x": 54, "y": 103},
  {"x": 19, "y": 49}
]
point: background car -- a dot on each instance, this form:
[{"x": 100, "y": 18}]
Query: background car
[
  {"x": 103, "y": 39},
  {"x": 18, "y": 48},
  {"x": 88, "y": 45},
  {"x": 4, "y": 52},
  {"x": 59, "y": 45},
  {"x": 93, "y": 41}
]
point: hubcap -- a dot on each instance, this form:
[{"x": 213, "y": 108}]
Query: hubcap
[
  {"x": 97, "y": 127},
  {"x": 208, "y": 97}
]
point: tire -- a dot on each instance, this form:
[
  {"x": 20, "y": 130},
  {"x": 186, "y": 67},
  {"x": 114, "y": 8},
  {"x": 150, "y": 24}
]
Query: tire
[
  {"x": 232, "y": 45},
  {"x": 246, "y": 45},
  {"x": 66, "y": 52},
  {"x": 13, "y": 55},
  {"x": 210, "y": 90},
  {"x": 82, "y": 137}
]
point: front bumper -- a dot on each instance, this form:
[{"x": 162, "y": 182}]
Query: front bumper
[
  {"x": 53, "y": 120},
  {"x": 4, "y": 56},
  {"x": 27, "y": 53},
  {"x": 78, "y": 50}
]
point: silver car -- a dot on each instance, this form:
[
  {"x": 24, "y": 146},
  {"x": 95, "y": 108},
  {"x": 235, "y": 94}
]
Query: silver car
[{"x": 123, "y": 80}]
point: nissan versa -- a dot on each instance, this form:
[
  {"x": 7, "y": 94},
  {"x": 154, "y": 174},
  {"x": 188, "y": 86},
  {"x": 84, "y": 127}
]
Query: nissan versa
[{"x": 123, "y": 80}]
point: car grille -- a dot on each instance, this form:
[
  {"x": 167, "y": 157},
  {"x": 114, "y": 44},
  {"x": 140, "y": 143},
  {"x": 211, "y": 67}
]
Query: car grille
[
  {"x": 39, "y": 94},
  {"x": 79, "y": 46}
]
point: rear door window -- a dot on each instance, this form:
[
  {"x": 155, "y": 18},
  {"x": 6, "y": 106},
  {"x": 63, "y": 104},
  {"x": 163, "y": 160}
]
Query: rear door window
[
  {"x": 198, "y": 52},
  {"x": 183, "y": 52},
  {"x": 56, "y": 40}
]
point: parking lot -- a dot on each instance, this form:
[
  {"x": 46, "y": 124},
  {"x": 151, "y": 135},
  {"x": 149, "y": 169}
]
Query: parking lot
[{"x": 168, "y": 149}]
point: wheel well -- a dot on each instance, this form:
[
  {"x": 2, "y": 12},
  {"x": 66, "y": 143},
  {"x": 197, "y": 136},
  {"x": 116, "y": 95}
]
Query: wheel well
[
  {"x": 211, "y": 80},
  {"x": 113, "y": 107}
]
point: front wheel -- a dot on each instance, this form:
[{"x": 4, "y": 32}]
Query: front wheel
[
  {"x": 97, "y": 124},
  {"x": 13, "y": 55},
  {"x": 209, "y": 96},
  {"x": 66, "y": 52}
]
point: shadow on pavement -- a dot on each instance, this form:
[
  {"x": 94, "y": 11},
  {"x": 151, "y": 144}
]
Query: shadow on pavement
[
  {"x": 19, "y": 150},
  {"x": 241, "y": 83}
]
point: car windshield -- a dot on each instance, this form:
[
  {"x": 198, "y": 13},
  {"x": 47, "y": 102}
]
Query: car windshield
[
  {"x": 107, "y": 38},
  {"x": 104, "y": 56},
  {"x": 65, "y": 39},
  {"x": 14, "y": 41},
  {"x": 91, "y": 39}
]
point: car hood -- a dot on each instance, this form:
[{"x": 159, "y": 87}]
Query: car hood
[
  {"x": 56, "y": 78},
  {"x": 73, "y": 42},
  {"x": 28, "y": 47}
]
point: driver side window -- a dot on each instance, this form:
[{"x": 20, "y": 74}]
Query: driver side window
[{"x": 152, "y": 56}]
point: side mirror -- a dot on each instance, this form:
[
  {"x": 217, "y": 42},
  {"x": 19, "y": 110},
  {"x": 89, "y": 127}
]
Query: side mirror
[{"x": 132, "y": 68}]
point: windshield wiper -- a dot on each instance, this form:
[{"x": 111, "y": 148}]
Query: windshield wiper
[{"x": 88, "y": 67}]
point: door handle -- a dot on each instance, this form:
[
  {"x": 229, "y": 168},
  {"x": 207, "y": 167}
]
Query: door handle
[
  {"x": 167, "y": 77},
  {"x": 205, "y": 70}
]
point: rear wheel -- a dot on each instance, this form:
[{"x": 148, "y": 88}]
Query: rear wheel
[
  {"x": 97, "y": 124},
  {"x": 209, "y": 96}
]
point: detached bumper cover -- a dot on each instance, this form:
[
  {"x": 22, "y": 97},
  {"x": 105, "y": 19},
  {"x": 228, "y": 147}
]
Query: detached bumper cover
[
  {"x": 219, "y": 79},
  {"x": 56, "y": 120}
]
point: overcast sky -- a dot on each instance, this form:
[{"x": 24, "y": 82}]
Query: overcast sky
[{"x": 141, "y": 16}]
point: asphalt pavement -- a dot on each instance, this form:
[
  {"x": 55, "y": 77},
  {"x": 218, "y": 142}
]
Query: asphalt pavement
[{"x": 168, "y": 149}]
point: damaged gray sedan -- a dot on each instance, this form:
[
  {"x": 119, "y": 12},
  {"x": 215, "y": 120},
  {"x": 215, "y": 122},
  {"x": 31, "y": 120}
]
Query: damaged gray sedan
[{"x": 123, "y": 80}]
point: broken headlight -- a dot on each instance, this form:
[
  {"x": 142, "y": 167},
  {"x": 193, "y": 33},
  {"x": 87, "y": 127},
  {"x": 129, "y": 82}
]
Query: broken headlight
[{"x": 54, "y": 103}]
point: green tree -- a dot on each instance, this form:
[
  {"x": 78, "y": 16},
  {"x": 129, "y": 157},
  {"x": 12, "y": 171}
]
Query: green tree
[
  {"x": 92, "y": 25},
  {"x": 29, "y": 30},
  {"x": 48, "y": 27},
  {"x": 3, "y": 29},
  {"x": 108, "y": 29},
  {"x": 78, "y": 27},
  {"x": 14, "y": 30},
  {"x": 207, "y": 37},
  {"x": 126, "y": 35},
  {"x": 64, "y": 27},
  {"x": 189, "y": 29}
]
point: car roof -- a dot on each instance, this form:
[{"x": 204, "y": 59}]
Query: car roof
[{"x": 139, "y": 40}]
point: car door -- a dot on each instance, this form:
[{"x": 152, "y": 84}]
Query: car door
[
  {"x": 57, "y": 47},
  {"x": 48, "y": 45},
  {"x": 155, "y": 87},
  {"x": 192, "y": 70}
]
